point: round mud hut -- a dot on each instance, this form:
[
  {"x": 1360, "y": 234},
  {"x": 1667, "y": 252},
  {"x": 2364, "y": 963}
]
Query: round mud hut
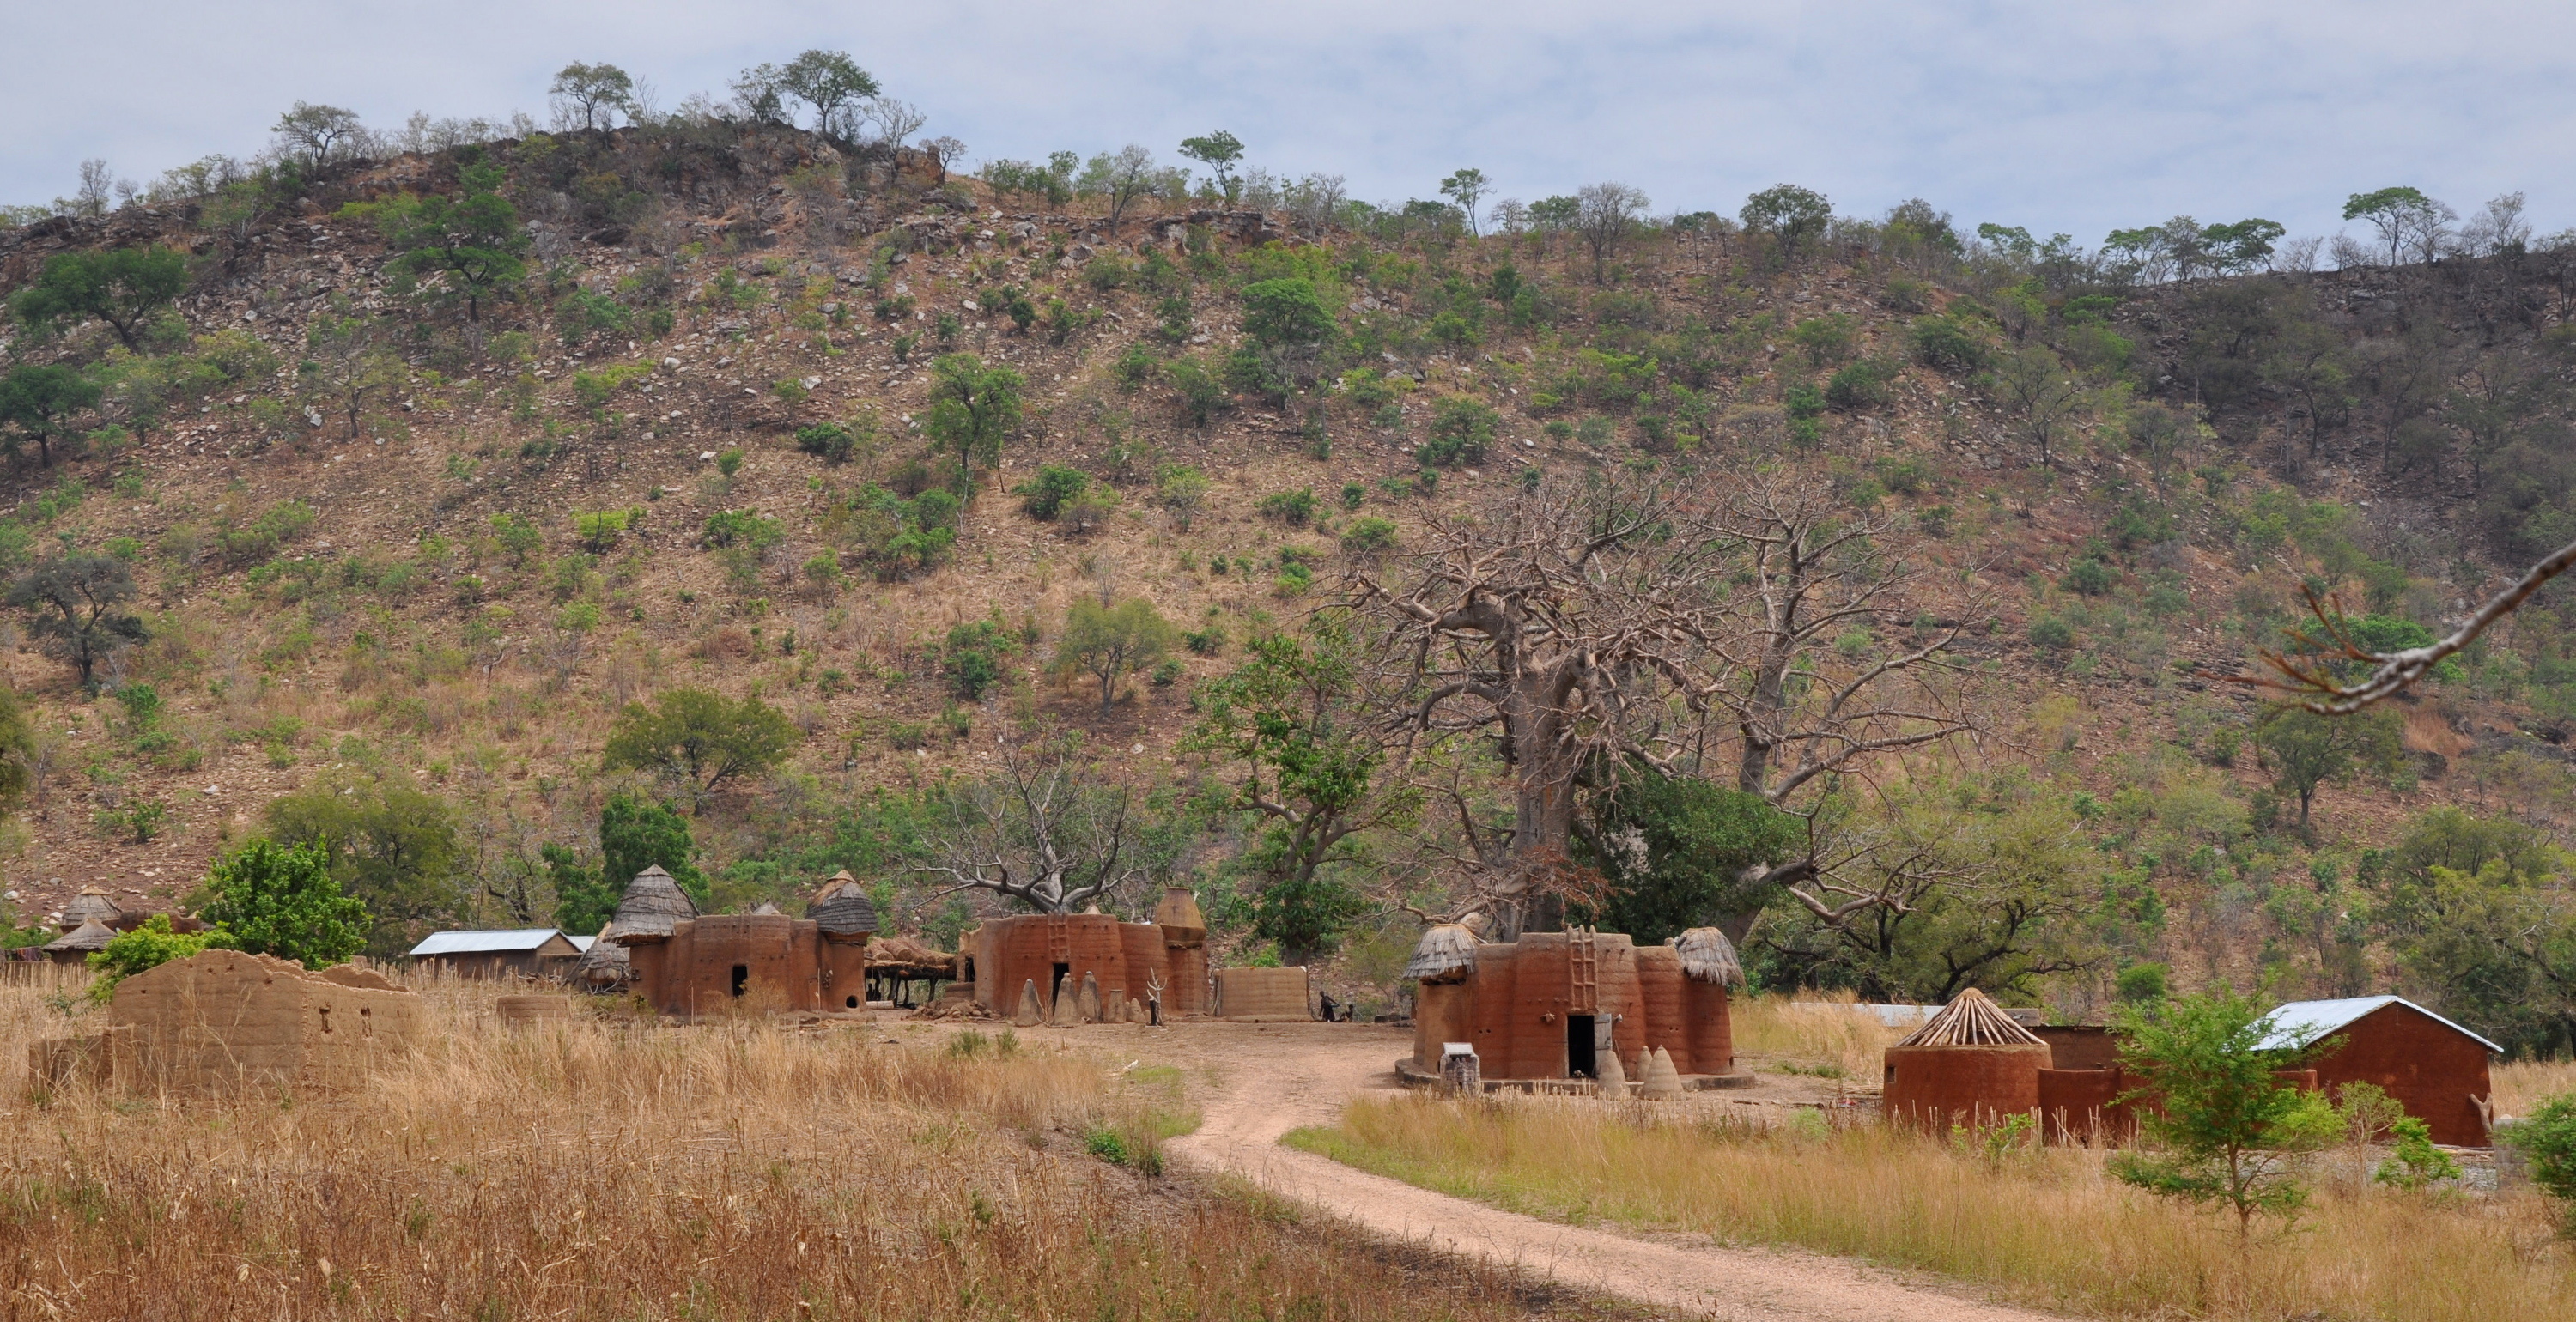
[
  {"x": 1968, "y": 1065},
  {"x": 653, "y": 904}
]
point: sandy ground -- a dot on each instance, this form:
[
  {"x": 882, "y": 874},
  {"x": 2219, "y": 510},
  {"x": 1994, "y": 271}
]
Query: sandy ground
[{"x": 1254, "y": 1083}]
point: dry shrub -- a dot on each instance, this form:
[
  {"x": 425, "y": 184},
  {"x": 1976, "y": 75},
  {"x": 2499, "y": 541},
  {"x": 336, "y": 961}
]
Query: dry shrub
[
  {"x": 2047, "y": 1227},
  {"x": 611, "y": 1168}
]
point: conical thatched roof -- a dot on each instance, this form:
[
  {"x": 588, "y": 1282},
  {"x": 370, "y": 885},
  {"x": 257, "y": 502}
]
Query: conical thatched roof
[
  {"x": 605, "y": 961},
  {"x": 833, "y": 885},
  {"x": 90, "y": 906},
  {"x": 767, "y": 909},
  {"x": 653, "y": 904},
  {"x": 1970, "y": 1020},
  {"x": 848, "y": 912},
  {"x": 1444, "y": 948},
  {"x": 1707, "y": 956},
  {"x": 1179, "y": 911},
  {"x": 90, "y": 935}
]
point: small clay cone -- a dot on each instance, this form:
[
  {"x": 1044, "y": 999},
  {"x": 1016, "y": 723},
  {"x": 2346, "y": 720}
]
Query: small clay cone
[
  {"x": 1030, "y": 1016},
  {"x": 1068, "y": 1011},
  {"x": 1614, "y": 1076},
  {"x": 1089, "y": 1004},
  {"x": 1663, "y": 1082}
]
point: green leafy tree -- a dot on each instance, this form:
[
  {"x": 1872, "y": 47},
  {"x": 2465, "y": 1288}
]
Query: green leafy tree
[
  {"x": 150, "y": 946},
  {"x": 1120, "y": 178},
  {"x": 973, "y": 409},
  {"x": 584, "y": 897},
  {"x": 1315, "y": 769},
  {"x": 38, "y": 403},
  {"x": 346, "y": 365},
  {"x": 832, "y": 84},
  {"x": 1466, "y": 188},
  {"x": 127, "y": 288},
  {"x": 636, "y": 833},
  {"x": 472, "y": 241},
  {"x": 2226, "y": 1129},
  {"x": 314, "y": 137},
  {"x": 700, "y": 736},
  {"x": 1794, "y": 217},
  {"x": 1219, "y": 152},
  {"x": 593, "y": 93},
  {"x": 77, "y": 601},
  {"x": 1676, "y": 851},
  {"x": 391, "y": 844},
  {"x": 2547, "y": 1139},
  {"x": 1111, "y": 642},
  {"x": 2406, "y": 219},
  {"x": 282, "y": 900},
  {"x": 2307, "y": 749},
  {"x": 975, "y": 655},
  {"x": 1287, "y": 314}
]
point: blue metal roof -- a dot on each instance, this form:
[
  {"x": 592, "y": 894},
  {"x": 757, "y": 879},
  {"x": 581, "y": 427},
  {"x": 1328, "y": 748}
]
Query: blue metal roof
[
  {"x": 2301, "y": 1022},
  {"x": 484, "y": 943}
]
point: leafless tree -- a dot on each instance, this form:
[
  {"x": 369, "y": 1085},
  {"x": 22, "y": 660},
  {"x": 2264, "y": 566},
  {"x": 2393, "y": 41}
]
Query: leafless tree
[
  {"x": 2039, "y": 394},
  {"x": 1608, "y": 214},
  {"x": 1592, "y": 629},
  {"x": 896, "y": 121},
  {"x": 1049, "y": 830}
]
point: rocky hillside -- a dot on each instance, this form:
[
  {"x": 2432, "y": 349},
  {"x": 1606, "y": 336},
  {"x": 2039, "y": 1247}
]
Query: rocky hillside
[{"x": 384, "y": 533}]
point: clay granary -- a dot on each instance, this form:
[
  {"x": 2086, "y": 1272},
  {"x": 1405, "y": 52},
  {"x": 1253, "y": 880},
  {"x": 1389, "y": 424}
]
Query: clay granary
[
  {"x": 717, "y": 963},
  {"x": 221, "y": 1021},
  {"x": 1970, "y": 1064},
  {"x": 1557, "y": 1005},
  {"x": 1043, "y": 960}
]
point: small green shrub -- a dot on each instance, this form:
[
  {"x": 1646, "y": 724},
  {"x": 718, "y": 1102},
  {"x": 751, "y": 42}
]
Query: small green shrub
[
  {"x": 1044, "y": 496},
  {"x": 1461, "y": 429},
  {"x": 1294, "y": 508}
]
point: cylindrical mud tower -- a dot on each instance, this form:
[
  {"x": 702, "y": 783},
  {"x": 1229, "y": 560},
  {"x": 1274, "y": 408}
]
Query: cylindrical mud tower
[
  {"x": 1185, "y": 953},
  {"x": 1968, "y": 1065},
  {"x": 1708, "y": 967},
  {"x": 1444, "y": 1007}
]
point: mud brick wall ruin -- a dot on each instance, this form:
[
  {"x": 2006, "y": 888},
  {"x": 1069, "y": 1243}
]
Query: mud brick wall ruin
[
  {"x": 754, "y": 962},
  {"x": 220, "y": 1021},
  {"x": 1549, "y": 1004},
  {"x": 1263, "y": 995}
]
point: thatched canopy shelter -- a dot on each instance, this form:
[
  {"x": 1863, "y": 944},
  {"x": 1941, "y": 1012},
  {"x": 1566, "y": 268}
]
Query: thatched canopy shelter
[
  {"x": 1707, "y": 956},
  {"x": 1971, "y": 1020},
  {"x": 848, "y": 915},
  {"x": 901, "y": 957}
]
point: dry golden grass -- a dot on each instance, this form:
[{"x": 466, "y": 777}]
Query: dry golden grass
[
  {"x": 1811, "y": 1031},
  {"x": 2524, "y": 1084},
  {"x": 619, "y": 1169},
  {"x": 2044, "y": 1227}
]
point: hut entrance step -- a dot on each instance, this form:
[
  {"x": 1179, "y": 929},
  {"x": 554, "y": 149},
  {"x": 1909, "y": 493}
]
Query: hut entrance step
[{"x": 1582, "y": 1048}]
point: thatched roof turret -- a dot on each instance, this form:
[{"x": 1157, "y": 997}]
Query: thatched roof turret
[
  {"x": 1707, "y": 956},
  {"x": 1971, "y": 1020},
  {"x": 834, "y": 885},
  {"x": 91, "y": 935},
  {"x": 90, "y": 906},
  {"x": 1445, "y": 948},
  {"x": 1179, "y": 917},
  {"x": 849, "y": 912}
]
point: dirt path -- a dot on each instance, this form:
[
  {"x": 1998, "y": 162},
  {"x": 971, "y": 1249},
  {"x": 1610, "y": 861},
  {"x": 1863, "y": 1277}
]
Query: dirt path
[{"x": 1269, "y": 1079}]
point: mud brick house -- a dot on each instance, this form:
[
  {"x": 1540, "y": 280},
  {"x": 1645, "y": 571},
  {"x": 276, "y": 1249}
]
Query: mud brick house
[
  {"x": 1553, "y": 1005},
  {"x": 1164, "y": 960},
  {"x": 718, "y": 963},
  {"x": 2434, "y": 1068},
  {"x": 1971, "y": 1064},
  {"x": 653, "y": 904},
  {"x": 530, "y": 952}
]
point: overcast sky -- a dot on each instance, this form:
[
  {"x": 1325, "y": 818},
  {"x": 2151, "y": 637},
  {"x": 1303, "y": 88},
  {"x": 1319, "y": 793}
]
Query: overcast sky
[{"x": 2074, "y": 117}]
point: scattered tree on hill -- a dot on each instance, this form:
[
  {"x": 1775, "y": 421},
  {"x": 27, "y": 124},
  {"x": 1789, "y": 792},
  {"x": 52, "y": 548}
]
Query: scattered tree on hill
[
  {"x": 317, "y": 136},
  {"x": 973, "y": 409},
  {"x": 2038, "y": 393},
  {"x": 2410, "y": 223},
  {"x": 703, "y": 738},
  {"x": 127, "y": 288},
  {"x": 1606, "y": 215},
  {"x": 832, "y": 84},
  {"x": 1120, "y": 178},
  {"x": 1794, "y": 217},
  {"x": 38, "y": 402},
  {"x": 1110, "y": 642},
  {"x": 593, "y": 93},
  {"x": 2226, "y": 1129},
  {"x": 1465, "y": 188},
  {"x": 347, "y": 365},
  {"x": 76, "y": 599},
  {"x": 2308, "y": 750},
  {"x": 282, "y": 900},
  {"x": 1219, "y": 152},
  {"x": 474, "y": 241}
]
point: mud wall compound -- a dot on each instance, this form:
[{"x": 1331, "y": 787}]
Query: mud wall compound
[
  {"x": 221, "y": 1021},
  {"x": 1055, "y": 951},
  {"x": 761, "y": 962},
  {"x": 1259, "y": 995},
  {"x": 1553, "y": 1004}
]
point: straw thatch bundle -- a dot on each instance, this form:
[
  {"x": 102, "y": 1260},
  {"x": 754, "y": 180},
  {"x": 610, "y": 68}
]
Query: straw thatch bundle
[
  {"x": 903, "y": 956},
  {"x": 1970, "y": 1020},
  {"x": 1445, "y": 948},
  {"x": 835, "y": 884},
  {"x": 1707, "y": 956},
  {"x": 90, "y": 906},
  {"x": 91, "y": 935}
]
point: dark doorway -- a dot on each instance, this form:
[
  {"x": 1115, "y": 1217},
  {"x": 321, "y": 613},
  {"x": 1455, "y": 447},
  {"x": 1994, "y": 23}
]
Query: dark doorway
[
  {"x": 1580, "y": 1062},
  {"x": 741, "y": 977}
]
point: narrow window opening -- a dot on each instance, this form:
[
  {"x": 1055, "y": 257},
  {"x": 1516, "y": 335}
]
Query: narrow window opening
[{"x": 741, "y": 976}]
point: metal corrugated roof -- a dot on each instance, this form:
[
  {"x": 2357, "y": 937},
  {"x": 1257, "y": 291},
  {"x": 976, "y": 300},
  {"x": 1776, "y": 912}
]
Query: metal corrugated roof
[
  {"x": 484, "y": 943},
  {"x": 2301, "y": 1022},
  {"x": 581, "y": 943}
]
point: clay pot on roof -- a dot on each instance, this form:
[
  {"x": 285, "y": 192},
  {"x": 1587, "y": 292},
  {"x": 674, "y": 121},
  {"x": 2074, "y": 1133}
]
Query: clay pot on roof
[{"x": 91, "y": 905}]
